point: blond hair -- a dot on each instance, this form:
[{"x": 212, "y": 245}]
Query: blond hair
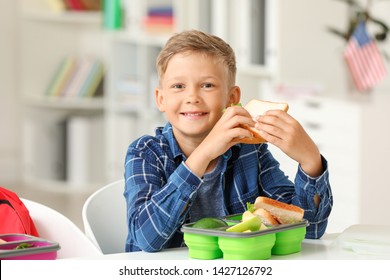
[{"x": 199, "y": 42}]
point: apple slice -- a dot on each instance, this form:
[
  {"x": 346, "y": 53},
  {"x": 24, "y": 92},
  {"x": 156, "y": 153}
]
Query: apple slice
[
  {"x": 252, "y": 224},
  {"x": 247, "y": 215}
]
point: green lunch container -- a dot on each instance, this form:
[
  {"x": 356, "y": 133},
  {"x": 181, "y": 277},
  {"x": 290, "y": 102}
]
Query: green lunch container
[
  {"x": 207, "y": 244},
  {"x": 249, "y": 248},
  {"x": 204, "y": 247},
  {"x": 289, "y": 241}
]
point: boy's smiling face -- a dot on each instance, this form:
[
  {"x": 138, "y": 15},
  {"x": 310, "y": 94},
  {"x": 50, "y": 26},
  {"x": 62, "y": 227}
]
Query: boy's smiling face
[{"x": 194, "y": 91}]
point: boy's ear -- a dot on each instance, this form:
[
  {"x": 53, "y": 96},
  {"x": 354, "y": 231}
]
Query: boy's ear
[
  {"x": 159, "y": 98},
  {"x": 234, "y": 95}
]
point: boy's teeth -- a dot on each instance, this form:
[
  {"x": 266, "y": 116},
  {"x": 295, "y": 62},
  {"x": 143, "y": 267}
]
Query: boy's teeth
[{"x": 193, "y": 114}]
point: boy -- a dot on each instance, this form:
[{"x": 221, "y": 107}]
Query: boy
[{"x": 195, "y": 167}]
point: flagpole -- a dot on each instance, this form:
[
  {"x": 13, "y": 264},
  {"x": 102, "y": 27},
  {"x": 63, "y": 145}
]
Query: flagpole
[
  {"x": 369, "y": 5},
  {"x": 368, "y": 9}
]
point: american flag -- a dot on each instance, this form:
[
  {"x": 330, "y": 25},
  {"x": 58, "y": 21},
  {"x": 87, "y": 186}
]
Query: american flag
[{"x": 364, "y": 59}]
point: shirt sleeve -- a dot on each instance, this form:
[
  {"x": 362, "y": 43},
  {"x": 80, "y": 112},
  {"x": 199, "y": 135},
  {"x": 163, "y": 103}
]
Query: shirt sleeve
[
  {"x": 277, "y": 185},
  {"x": 306, "y": 188},
  {"x": 156, "y": 204}
]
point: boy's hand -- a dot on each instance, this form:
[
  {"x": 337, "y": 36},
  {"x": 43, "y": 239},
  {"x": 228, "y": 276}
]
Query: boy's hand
[
  {"x": 283, "y": 131},
  {"x": 224, "y": 135},
  {"x": 228, "y": 130}
]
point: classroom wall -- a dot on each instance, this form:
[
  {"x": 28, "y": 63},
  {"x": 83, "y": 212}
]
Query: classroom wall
[
  {"x": 309, "y": 54},
  {"x": 9, "y": 103}
]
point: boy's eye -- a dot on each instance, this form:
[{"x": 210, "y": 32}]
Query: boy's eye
[
  {"x": 207, "y": 85},
  {"x": 178, "y": 86}
]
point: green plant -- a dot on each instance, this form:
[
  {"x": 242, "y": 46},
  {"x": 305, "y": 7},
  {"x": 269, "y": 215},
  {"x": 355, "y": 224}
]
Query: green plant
[{"x": 356, "y": 15}]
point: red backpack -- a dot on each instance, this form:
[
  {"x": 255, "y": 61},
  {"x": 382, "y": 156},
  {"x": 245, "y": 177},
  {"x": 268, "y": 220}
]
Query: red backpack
[{"x": 14, "y": 216}]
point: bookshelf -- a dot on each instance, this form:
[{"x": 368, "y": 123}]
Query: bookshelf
[
  {"x": 125, "y": 110},
  {"x": 61, "y": 135}
]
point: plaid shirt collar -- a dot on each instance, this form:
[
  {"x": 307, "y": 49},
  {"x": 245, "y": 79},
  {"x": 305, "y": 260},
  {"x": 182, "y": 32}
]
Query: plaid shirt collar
[{"x": 167, "y": 131}]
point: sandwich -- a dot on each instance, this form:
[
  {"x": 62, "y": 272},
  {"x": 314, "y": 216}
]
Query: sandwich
[
  {"x": 257, "y": 107},
  {"x": 282, "y": 212},
  {"x": 266, "y": 217}
]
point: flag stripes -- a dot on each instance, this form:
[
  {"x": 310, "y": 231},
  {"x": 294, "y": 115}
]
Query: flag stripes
[{"x": 364, "y": 59}]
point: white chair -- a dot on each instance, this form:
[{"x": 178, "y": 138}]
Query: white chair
[
  {"x": 54, "y": 226},
  {"x": 104, "y": 218}
]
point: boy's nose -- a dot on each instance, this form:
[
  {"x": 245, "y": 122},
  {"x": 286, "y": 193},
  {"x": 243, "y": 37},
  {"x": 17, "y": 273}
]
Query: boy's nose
[{"x": 193, "y": 95}]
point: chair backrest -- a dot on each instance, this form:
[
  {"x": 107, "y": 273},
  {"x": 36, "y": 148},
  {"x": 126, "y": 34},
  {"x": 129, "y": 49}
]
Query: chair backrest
[
  {"x": 104, "y": 218},
  {"x": 54, "y": 226}
]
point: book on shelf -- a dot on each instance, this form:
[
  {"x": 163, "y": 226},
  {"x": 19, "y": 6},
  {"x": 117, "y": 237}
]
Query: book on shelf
[
  {"x": 84, "y": 157},
  {"x": 158, "y": 25},
  {"x": 56, "y": 5},
  {"x": 61, "y": 76},
  {"x": 97, "y": 139},
  {"x": 93, "y": 80},
  {"x": 72, "y": 79},
  {"x": 165, "y": 11},
  {"x": 74, "y": 5},
  {"x": 79, "y": 77},
  {"x": 92, "y": 5},
  {"x": 45, "y": 149},
  {"x": 159, "y": 19},
  {"x": 77, "y": 156}
]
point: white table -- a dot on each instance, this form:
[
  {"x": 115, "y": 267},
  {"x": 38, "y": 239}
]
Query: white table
[
  {"x": 331, "y": 261},
  {"x": 326, "y": 248}
]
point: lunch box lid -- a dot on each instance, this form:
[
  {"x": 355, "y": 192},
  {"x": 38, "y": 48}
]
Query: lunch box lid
[
  {"x": 221, "y": 231},
  {"x": 7, "y": 250}
]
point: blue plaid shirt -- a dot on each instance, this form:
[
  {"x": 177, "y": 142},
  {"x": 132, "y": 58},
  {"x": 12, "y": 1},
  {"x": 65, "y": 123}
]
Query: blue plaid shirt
[{"x": 159, "y": 185}]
